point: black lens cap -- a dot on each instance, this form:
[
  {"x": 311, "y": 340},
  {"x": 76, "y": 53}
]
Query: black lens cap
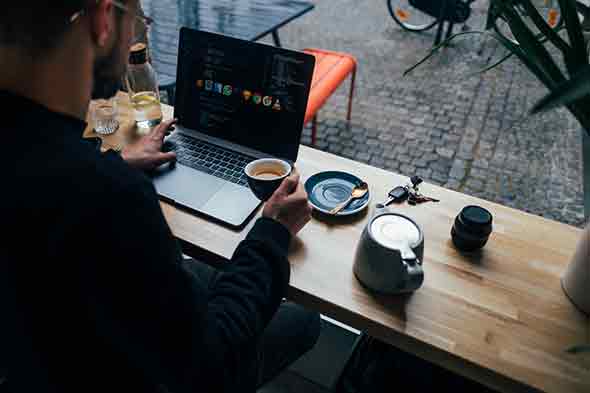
[
  {"x": 476, "y": 216},
  {"x": 472, "y": 228}
]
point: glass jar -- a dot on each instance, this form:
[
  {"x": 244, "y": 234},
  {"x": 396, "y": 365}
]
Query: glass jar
[{"x": 142, "y": 85}]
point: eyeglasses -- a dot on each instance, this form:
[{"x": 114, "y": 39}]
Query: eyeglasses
[{"x": 122, "y": 7}]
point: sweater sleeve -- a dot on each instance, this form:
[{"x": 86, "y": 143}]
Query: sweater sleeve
[{"x": 185, "y": 332}]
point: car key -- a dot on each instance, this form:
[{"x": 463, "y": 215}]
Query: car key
[
  {"x": 429, "y": 199},
  {"x": 416, "y": 181},
  {"x": 416, "y": 198},
  {"x": 397, "y": 194}
]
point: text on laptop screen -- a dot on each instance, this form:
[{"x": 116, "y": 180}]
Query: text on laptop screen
[{"x": 251, "y": 94}]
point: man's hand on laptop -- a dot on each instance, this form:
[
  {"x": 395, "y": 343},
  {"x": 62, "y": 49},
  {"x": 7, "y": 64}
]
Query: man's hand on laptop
[
  {"x": 289, "y": 205},
  {"x": 146, "y": 153}
]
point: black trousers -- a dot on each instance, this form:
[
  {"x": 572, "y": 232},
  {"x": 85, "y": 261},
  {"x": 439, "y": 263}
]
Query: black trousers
[{"x": 291, "y": 333}]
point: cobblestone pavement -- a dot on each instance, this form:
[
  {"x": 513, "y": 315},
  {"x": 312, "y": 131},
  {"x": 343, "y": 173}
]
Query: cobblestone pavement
[{"x": 468, "y": 133}]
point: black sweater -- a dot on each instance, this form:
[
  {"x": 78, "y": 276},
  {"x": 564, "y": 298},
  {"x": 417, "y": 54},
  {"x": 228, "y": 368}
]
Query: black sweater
[{"x": 92, "y": 294}]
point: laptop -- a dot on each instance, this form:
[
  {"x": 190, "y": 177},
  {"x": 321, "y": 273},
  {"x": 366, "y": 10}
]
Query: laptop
[{"x": 236, "y": 101}]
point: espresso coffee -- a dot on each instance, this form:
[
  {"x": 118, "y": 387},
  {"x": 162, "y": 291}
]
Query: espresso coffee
[
  {"x": 265, "y": 175},
  {"x": 268, "y": 174}
]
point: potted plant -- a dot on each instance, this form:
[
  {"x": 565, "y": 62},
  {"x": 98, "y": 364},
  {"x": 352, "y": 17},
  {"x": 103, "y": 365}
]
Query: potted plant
[{"x": 524, "y": 29}]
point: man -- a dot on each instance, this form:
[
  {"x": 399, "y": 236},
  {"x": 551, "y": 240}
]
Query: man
[{"x": 94, "y": 294}]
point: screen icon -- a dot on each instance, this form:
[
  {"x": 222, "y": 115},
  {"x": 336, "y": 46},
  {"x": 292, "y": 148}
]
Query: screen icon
[
  {"x": 218, "y": 88},
  {"x": 227, "y": 90},
  {"x": 267, "y": 101},
  {"x": 247, "y": 94},
  {"x": 208, "y": 85},
  {"x": 256, "y": 98},
  {"x": 277, "y": 105}
]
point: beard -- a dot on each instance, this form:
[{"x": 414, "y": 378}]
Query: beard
[
  {"x": 108, "y": 73},
  {"x": 105, "y": 86}
]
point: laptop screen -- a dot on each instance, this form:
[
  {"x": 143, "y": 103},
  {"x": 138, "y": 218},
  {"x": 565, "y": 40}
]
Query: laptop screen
[{"x": 251, "y": 94}]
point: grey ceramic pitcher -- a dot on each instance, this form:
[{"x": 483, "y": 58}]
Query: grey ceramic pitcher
[{"x": 389, "y": 254}]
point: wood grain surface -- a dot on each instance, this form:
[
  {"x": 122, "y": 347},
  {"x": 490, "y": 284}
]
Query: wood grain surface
[{"x": 498, "y": 316}]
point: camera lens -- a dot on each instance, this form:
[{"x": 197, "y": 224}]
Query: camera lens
[{"x": 472, "y": 228}]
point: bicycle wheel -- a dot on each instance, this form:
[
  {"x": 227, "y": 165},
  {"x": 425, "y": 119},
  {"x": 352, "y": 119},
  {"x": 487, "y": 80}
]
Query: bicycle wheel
[{"x": 408, "y": 17}]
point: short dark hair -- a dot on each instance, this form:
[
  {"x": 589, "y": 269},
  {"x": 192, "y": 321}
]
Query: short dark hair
[{"x": 36, "y": 24}]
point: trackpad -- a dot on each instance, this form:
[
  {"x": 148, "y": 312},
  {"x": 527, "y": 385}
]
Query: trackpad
[
  {"x": 186, "y": 186},
  {"x": 232, "y": 204}
]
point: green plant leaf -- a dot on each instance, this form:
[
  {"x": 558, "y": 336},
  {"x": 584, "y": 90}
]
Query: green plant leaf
[
  {"x": 509, "y": 45},
  {"x": 532, "y": 49},
  {"x": 569, "y": 13},
  {"x": 493, "y": 65},
  {"x": 545, "y": 29},
  {"x": 524, "y": 58},
  {"x": 578, "y": 349},
  {"x": 585, "y": 11},
  {"x": 436, "y": 48},
  {"x": 502, "y": 60},
  {"x": 536, "y": 58},
  {"x": 576, "y": 88}
]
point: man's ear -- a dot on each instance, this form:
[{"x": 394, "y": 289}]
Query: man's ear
[{"x": 102, "y": 22}]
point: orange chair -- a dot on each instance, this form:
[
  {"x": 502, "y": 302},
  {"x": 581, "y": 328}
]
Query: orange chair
[{"x": 331, "y": 69}]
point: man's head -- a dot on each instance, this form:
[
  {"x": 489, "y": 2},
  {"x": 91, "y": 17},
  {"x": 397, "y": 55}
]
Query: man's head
[{"x": 39, "y": 28}]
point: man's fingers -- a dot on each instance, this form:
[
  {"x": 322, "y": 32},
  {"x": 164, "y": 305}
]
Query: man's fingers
[
  {"x": 297, "y": 192},
  {"x": 294, "y": 177},
  {"x": 301, "y": 189},
  {"x": 163, "y": 128},
  {"x": 302, "y": 222},
  {"x": 163, "y": 158},
  {"x": 298, "y": 203},
  {"x": 288, "y": 185}
]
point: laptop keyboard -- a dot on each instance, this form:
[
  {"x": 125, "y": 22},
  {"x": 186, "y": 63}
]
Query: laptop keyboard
[{"x": 209, "y": 158}]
